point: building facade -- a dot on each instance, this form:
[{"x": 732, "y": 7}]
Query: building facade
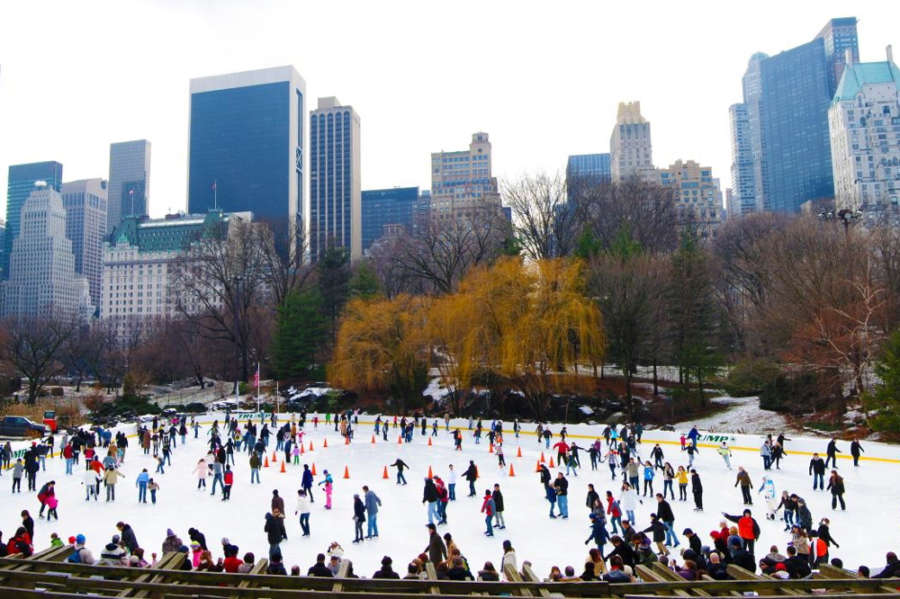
[
  {"x": 697, "y": 195},
  {"x": 42, "y": 279},
  {"x": 138, "y": 261},
  {"x": 864, "y": 121},
  {"x": 387, "y": 212},
  {"x": 782, "y": 123},
  {"x": 586, "y": 169},
  {"x": 86, "y": 204},
  {"x": 22, "y": 178},
  {"x": 462, "y": 187},
  {"x": 630, "y": 145},
  {"x": 129, "y": 181},
  {"x": 246, "y": 144},
  {"x": 335, "y": 211}
]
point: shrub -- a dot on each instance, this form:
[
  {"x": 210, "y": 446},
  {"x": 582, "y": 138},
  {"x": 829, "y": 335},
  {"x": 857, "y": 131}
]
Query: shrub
[
  {"x": 195, "y": 407},
  {"x": 748, "y": 377},
  {"x": 799, "y": 393},
  {"x": 56, "y": 391}
]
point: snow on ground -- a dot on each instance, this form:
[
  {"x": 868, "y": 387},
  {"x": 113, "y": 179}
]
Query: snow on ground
[
  {"x": 742, "y": 416},
  {"x": 872, "y": 498}
]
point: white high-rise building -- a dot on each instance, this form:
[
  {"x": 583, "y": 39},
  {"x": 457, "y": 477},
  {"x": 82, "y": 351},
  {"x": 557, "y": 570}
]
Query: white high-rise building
[
  {"x": 864, "y": 125},
  {"x": 335, "y": 190},
  {"x": 697, "y": 195},
  {"x": 85, "y": 202},
  {"x": 631, "y": 151},
  {"x": 42, "y": 280},
  {"x": 462, "y": 186}
]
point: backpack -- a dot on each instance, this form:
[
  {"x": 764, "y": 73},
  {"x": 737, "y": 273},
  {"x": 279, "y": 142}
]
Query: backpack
[{"x": 75, "y": 558}]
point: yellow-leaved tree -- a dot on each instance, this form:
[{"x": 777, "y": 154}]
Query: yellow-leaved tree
[
  {"x": 529, "y": 323},
  {"x": 382, "y": 346}
]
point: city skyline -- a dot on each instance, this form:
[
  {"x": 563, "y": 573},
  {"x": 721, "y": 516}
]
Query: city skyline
[{"x": 479, "y": 85}]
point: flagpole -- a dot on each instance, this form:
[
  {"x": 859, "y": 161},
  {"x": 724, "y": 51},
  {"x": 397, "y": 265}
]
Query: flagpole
[{"x": 257, "y": 386}]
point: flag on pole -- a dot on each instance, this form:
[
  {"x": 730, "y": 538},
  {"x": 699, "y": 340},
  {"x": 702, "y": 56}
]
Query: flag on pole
[
  {"x": 213, "y": 186},
  {"x": 256, "y": 376}
]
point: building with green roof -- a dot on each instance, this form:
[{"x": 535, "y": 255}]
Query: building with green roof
[{"x": 864, "y": 129}]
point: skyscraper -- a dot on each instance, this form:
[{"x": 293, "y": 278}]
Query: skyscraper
[
  {"x": 22, "y": 178},
  {"x": 246, "y": 149},
  {"x": 630, "y": 147},
  {"x": 129, "y": 181},
  {"x": 742, "y": 162},
  {"x": 864, "y": 121},
  {"x": 86, "y": 204},
  {"x": 387, "y": 210},
  {"x": 783, "y": 125},
  {"x": 461, "y": 183},
  {"x": 839, "y": 36},
  {"x": 42, "y": 279},
  {"x": 335, "y": 213}
]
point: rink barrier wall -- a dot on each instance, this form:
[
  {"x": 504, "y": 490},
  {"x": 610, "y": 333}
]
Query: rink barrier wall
[
  {"x": 803, "y": 446},
  {"x": 46, "y": 575}
]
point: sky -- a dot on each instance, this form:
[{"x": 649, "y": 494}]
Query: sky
[{"x": 543, "y": 79}]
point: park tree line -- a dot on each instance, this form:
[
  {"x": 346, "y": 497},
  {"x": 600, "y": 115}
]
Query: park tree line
[{"x": 797, "y": 309}]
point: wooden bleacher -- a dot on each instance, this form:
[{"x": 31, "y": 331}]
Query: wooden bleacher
[{"x": 48, "y": 575}]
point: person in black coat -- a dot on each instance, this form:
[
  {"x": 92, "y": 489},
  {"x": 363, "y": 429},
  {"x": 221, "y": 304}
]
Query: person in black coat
[
  {"x": 319, "y": 568},
  {"x": 386, "y": 570},
  {"x": 623, "y": 550},
  {"x": 891, "y": 568},
  {"x": 855, "y": 450},
  {"x": 127, "y": 536},
  {"x": 831, "y": 452},
  {"x": 741, "y": 557},
  {"x": 359, "y": 516},
  {"x": 697, "y": 490},
  {"x": 817, "y": 471},
  {"x": 797, "y": 566},
  {"x": 659, "y": 533},
  {"x": 275, "y": 531},
  {"x": 471, "y": 475}
]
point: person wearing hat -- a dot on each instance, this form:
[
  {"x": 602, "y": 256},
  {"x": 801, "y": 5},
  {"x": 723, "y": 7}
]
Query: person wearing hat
[
  {"x": 171, "y": 543},
  {"x": 386, "y": 571},
  {"x": 81, "y": 554},
  {"x": 113, "y": 554}
]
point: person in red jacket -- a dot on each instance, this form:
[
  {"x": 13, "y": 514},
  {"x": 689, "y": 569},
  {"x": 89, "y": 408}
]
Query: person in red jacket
[
  {"x": 748, "y": 529},
  {"x": 614, "y": 511},
  {"x": 720, "y": 537},
  {"x": 487, "y": 508},
  {"x": 229, "y": 480},
  {"x": 232, "y": 563}
]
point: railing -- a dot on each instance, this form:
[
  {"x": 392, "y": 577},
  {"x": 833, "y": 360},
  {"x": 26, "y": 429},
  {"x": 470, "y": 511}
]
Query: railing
[{"x": 47, "y": 574}]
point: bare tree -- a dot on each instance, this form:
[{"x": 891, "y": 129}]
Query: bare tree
[
  {"x": 439, "y": 254},
  {"x": 34, "y": 347},
  {"x": 645, "y": 209},
  {"x": 220, "y": 284},
  {"x": 543, "y": 221},
  {"x": 284, "y": 256}
]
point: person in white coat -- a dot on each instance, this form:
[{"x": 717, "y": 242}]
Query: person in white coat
[
  {"x": 509, "y": 558},
  {"x": 202, "y": 471},
  {"x": 628, "y": 501},
  {"x": 451, "y": 484}
]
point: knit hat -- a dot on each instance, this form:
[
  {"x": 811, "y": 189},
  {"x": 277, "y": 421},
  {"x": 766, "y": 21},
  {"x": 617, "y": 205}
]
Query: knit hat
[
  {"x": 80, "y": 539},
  {"x": 169, "y": 532},
  {"x": 225, "y": 541}
]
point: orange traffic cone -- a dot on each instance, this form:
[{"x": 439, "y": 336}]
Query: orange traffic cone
[
  {"x": 373, "y": 439},
  {"x": 400, "y": 440},
  {"x": 314, "y": 469},
  {"x": 511, "y": 471},
  {"x": 542, "y": 458},
  {"x": 537, "y": 466},
  {"x": 325, "y": 442},
  {"x": 429, "y": 441},
  {"x": 491, "y": 448},
  {"x": 283, "y": 470},
  {"x": 346, "y": 472},
  {"x": 266, "y": 462},
  {"x": 477, "y": 476},
  {"x": 551, "y": 462},
  {"x": 429, "y": 473},
  {"x": 302, "y": 451},
  {"x": 385, "y": 475},
  {"x": 519, "y": 453},
  {"x": 274, "y": 457},
  {"x": 347, "y": 440}
]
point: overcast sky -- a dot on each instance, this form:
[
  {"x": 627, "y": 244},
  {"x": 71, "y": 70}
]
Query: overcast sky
[{"x": 542, "y": 78}]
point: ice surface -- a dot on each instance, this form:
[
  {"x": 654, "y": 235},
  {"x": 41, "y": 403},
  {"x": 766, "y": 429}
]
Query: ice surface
[{"x": 872, "y": 497}]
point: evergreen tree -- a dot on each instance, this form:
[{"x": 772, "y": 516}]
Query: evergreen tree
[
  {"x": 885, "y": 397},
  {"x": 692, "y": 326},
  {"x": 364, "y": 283},
  {"x": 299, "y": 333},
  {"x": 333, "y": 269}
]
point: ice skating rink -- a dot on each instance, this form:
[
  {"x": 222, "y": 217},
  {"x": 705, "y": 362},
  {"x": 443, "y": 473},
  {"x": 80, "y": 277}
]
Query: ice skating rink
[{"x": 865, "y": 531}]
